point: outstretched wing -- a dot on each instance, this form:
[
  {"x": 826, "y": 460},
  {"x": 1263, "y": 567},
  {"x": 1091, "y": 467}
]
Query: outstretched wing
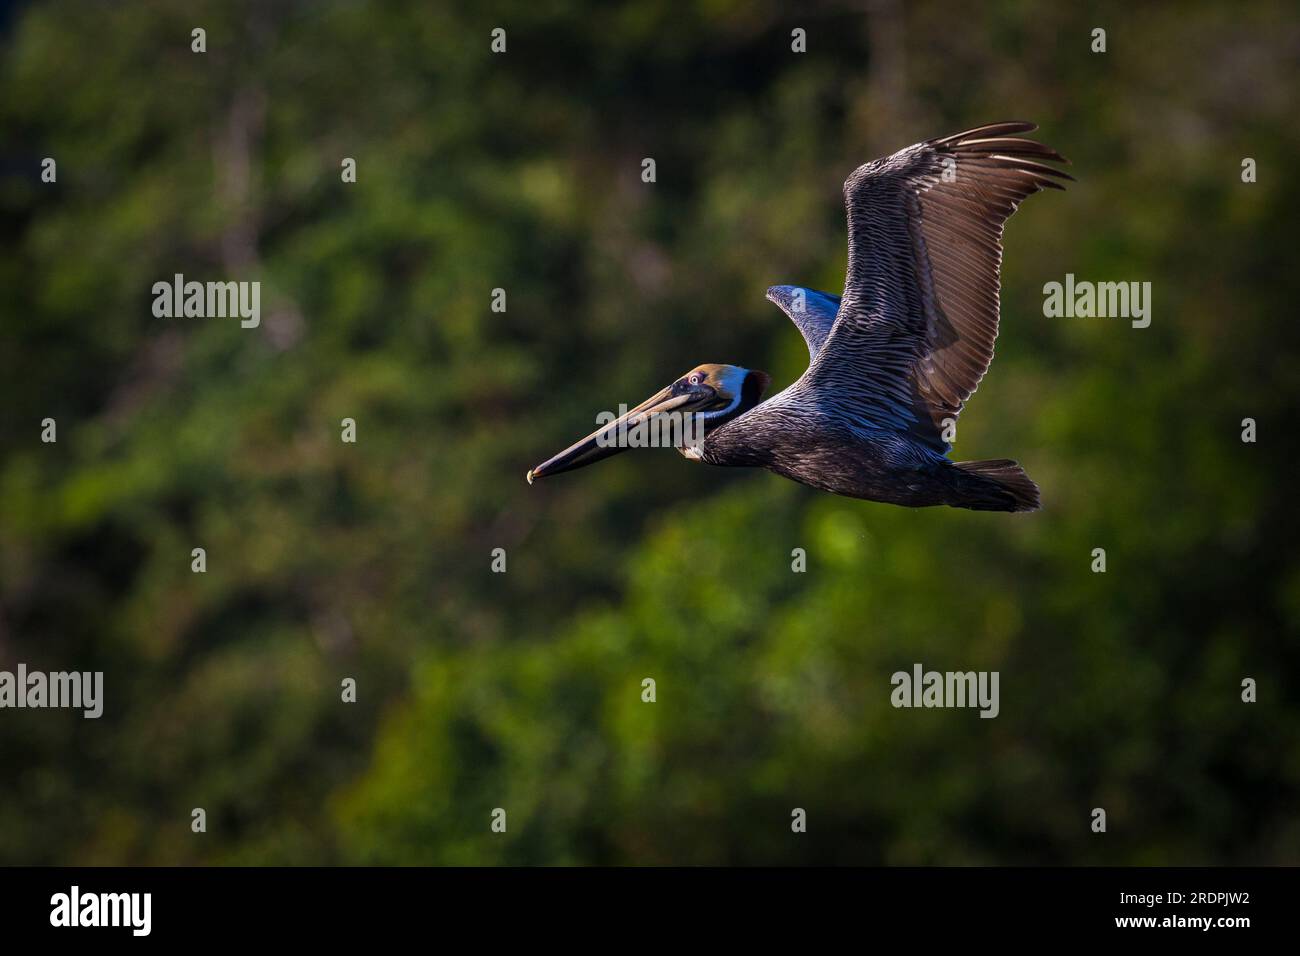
[
  {"x": 811, "y": 311},
  {"x": 916, "y": 324}
]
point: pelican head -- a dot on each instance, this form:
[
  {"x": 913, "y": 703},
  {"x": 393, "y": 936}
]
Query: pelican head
[{"x": 679, "y": 416}]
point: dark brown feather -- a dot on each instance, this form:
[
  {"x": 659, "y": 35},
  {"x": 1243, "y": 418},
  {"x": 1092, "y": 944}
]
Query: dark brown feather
[{"x": 919, "y": 316}]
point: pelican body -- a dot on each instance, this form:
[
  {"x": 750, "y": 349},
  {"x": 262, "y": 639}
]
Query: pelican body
[{"x": 893, "y": 360}]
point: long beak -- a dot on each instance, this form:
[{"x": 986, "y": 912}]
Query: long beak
[{"x": 606, "y": 440}]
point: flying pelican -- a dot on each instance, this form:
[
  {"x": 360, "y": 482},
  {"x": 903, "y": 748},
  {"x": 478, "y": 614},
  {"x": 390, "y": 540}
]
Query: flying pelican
[{"x": 891, "y": 361}]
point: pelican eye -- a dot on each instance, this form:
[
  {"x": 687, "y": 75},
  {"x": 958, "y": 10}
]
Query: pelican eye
[{"x": 695, "y": 378}]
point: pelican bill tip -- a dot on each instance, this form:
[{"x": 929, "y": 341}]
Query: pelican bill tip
[{"x": 529, "y": 476}]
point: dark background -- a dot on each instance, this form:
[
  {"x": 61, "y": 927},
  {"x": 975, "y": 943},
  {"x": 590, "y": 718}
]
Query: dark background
[{"x": 523, "y": 690}]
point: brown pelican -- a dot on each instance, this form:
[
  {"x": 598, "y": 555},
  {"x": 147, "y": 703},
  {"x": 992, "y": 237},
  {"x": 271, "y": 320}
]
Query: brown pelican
[{"x": 893, "y": 360}]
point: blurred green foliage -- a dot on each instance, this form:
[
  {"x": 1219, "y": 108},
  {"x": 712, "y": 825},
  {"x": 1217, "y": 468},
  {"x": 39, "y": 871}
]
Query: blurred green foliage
[{"x": 523, "y": 690}]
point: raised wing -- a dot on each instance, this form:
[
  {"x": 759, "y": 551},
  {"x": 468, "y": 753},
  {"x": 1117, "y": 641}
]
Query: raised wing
[
  {"x": 811, "y": 311},
  {"x": 919, "y": 314}
]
